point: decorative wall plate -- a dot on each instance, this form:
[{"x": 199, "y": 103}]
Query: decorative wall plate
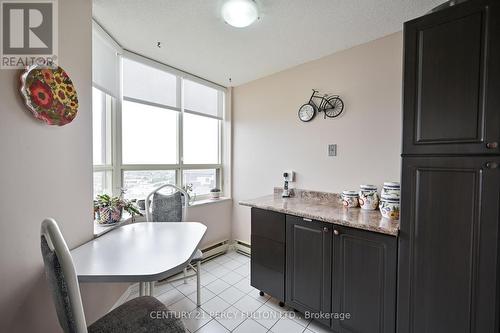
[{"x": 49, "y": 94}]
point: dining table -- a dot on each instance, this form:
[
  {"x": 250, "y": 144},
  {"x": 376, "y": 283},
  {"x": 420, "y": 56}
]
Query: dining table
[{"x": 142, "y": 252}]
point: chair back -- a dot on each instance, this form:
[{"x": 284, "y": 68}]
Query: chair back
[
  {"x": 167, "y": 208},
  {"x": 61, "y": 275}
]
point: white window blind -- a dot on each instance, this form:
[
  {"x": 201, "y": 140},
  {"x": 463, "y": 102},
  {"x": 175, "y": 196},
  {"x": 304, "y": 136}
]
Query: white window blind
[
  {"x": 201, "y": 99},
  {"x": 148, "y": 84},
  {"x": 105, "y": 68}
]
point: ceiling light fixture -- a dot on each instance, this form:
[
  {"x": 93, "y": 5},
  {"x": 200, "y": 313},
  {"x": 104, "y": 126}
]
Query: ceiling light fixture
[{"x": 240, "y": 13}]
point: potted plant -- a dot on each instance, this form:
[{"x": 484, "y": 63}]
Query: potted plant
[
  {"x": 189, "y": 189},
  {"x": 215, "y": 193},
  {"x": 109, "y": 209}
]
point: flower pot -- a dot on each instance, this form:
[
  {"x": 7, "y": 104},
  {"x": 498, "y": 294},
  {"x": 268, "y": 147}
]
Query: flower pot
[{"x": 107, "y": 215}]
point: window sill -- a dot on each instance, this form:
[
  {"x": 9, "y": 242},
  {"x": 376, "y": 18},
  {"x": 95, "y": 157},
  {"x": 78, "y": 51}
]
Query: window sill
[
  {"x": 100, "y": 230},
  {"x": 209, "y": 201}
]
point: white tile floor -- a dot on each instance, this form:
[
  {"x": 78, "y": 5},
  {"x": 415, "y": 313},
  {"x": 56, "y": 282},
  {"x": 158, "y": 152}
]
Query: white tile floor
[{"x": 229, "y": 302}]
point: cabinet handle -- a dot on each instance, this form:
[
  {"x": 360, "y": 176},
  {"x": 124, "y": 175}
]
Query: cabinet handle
[
  {"x": 336, "y": 232},
  {"x": 306, "y": 219},
  {"x": 492, "y": 145},
  {"x": 325, "y": 229},
  {"x": 492, "y": 165}
]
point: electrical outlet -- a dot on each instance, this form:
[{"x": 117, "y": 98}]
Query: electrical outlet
[{"x": 332, "y": 150}]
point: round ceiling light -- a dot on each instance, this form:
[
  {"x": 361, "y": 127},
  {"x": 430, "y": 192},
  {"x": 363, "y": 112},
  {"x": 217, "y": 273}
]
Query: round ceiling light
[{"x": 240, "y": 13}]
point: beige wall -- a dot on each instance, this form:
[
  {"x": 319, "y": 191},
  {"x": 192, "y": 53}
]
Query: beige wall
[
  {"x": 46, "y": 171},
  {"x": 217, "y": 217},
  {"x": 268, "y": 138}
]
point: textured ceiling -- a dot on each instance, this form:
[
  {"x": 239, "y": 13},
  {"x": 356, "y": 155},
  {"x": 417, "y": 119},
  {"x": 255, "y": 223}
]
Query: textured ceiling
[{"x": 289, "y": 32}]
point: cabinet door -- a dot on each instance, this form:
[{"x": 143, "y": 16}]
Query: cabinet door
[
  {"x": 448, "y": 250},
  {"x": 308, "y": 265},
  {"x": 451, "y": 81},
  {"x": 364, "y": 281},
  {"x": 267, "y": 261}
]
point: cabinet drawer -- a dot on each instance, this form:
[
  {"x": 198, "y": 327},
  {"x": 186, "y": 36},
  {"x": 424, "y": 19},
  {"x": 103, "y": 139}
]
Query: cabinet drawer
[
  {"x": 268, "y": 280},
  {"x": 268, "y": 253},
  {"x": 268, "y": 266},
  {"x": 268, "y": 224}
]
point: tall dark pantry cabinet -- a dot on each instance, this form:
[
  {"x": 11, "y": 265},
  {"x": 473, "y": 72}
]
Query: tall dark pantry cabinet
[{"x": 448, "y": 269}]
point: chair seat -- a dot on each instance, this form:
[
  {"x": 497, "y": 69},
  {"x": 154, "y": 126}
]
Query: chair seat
[
  {"x": 198, "y": 256},
  {"x": 136, "y": 316}
]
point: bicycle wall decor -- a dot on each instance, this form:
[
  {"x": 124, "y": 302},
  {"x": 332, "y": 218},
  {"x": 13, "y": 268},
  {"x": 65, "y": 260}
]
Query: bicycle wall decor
[{"x": 331, "y": 105}]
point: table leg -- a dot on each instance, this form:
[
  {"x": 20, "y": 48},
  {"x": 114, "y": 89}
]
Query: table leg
[
  {"x": 151, "y": 288},
  {"x": 198, "y": 283},
  {"x": 142, "y": 288}
]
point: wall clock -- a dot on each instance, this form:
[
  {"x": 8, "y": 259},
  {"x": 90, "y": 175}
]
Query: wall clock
[{"x": 332, "y": 106}]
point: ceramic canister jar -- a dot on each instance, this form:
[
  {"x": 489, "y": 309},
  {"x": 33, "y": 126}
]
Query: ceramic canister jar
[
  {"x": 389, "y": 206},
  {"x": 391, "y": 188},
  {"x": 350, "y": 199},
  {"x": 368, "y": 197}
]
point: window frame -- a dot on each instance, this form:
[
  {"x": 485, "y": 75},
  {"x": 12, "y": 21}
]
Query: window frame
[
  {"x": 180, "y": 166},
  {"x": 109, "y": 142},
  {"x": 117, "y": 168}
]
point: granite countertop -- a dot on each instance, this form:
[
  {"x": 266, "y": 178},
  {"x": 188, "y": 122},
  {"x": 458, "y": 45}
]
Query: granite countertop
[{"x": 326, "y": 207}]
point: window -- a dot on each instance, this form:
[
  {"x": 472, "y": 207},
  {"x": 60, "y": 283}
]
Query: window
[
  {"x": 102, "y": 105},
  {"x": 201, "y": 180},
  {"x": 149, "y": 134},
  {"x": 201, "y": 139},
  {"x": 138, "y": 184},
  {"x": 166, "y": 127},
  {"x": 170, "y": 132}
]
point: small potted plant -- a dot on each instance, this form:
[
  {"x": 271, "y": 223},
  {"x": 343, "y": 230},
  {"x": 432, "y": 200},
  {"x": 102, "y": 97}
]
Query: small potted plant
[
  {"x": 189, "y": 189},
  {"x": 215, "y": 193},
  {"x": 109, "y": 209}
]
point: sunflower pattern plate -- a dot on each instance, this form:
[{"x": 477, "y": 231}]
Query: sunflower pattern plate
[{"x": 49, "y": 94}]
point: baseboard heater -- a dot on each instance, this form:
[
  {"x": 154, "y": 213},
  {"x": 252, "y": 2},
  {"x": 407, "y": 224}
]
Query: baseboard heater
[
  {"x": 242, "y": 247},
  {"x": 215, "y": 250}
]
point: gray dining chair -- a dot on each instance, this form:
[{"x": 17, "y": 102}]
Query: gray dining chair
[
  {"x": 132, "y": 316},
  {"x": 173, "y": 208}
]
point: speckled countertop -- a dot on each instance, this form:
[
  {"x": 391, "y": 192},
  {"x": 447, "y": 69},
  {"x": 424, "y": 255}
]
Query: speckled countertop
[{"x": 326, "y": 207}]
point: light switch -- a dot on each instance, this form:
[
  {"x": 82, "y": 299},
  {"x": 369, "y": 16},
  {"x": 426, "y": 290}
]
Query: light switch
[{"x": 332, "y": 150}]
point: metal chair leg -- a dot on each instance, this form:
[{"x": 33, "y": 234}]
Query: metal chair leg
[
  {"x": 185, "y": 274},
  {"x": 198, "y": 284}
]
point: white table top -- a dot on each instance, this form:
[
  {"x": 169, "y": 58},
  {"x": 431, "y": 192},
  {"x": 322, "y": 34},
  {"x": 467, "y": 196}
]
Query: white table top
[{"x": 138, "y": 252}]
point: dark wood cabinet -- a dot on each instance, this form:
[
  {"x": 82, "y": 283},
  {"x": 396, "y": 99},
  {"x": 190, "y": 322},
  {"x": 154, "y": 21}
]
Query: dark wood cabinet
[
  {"x": 364, "y": 281},
  {"x": 448, "y": 252},
  {"x": 268, "y": 252},
  {"x": 448, "y": 260},
  {"x": 325, "y": 269},
  {"x": 451, "y": 97},
  {"x": 308, "y": 265}
]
